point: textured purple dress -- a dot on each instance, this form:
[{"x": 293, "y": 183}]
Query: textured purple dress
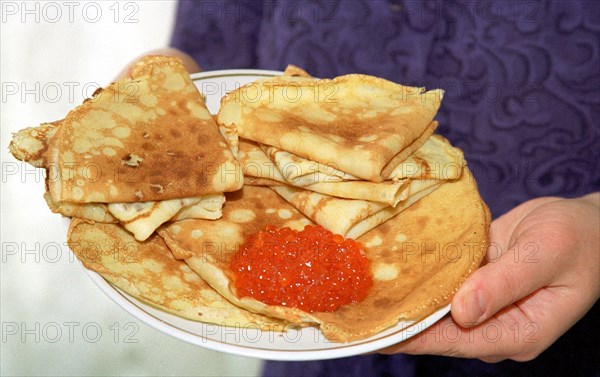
[{"x": 522, "y": 83}]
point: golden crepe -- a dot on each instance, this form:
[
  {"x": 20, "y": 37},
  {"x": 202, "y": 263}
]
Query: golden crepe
[
  {"x": 348, "y": 217},
  {"x": 388, "y": 192},
  {"x": 435, "y": 159},
  {"x": 282, "y": 167},
  {"x": 358, "y": 122},
  {"x": 148, "y": 139},
  {"x": 142, "y": 218},
  {"x": 258, "y": 169},
  {"x": 97, "y": 212},
  {"x": 298, "y": 171},
  {"x": 149, "y": 272},
  {"x": 418, "y": 259},
  {"x": 301, "y": 172}
]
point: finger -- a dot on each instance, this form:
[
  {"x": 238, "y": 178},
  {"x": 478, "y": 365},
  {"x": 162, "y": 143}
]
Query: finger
[
  {"x": 524, "y": 268},
  {"x": 491, "y": 341},
  {"x": 430, "y": 341},
  {"x": 188, "y": 62},
  {"x": 509, "y": 334}
]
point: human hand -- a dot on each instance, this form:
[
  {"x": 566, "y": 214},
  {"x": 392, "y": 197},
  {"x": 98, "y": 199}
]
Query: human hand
[
  {"x": 541, "y": 276},
  {"x": 188, "y": 62}
]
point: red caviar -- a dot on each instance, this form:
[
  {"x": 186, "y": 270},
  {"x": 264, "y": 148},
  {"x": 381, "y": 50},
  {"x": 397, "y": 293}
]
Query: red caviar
[{"x": 313, "y": 269}]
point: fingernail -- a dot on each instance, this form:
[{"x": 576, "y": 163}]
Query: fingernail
[{"x": 475, "y": 305}]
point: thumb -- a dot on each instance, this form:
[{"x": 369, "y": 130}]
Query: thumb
[{"x": 518, "y": 272}]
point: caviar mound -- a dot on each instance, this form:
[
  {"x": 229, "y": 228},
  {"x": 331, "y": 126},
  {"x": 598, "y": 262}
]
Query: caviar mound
[{"x": 313, "y": 269}]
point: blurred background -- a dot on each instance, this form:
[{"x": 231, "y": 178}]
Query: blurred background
[{"x": 54, "y": 320}]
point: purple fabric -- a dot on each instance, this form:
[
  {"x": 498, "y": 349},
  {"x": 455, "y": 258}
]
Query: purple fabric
[{"x": 522, "y": 82}]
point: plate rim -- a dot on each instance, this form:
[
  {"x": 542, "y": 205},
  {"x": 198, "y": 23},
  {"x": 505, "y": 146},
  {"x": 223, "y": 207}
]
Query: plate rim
[{"x": 130, "y": 303}]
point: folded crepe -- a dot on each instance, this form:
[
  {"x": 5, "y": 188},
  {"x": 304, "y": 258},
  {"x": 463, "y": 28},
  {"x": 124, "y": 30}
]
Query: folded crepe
[
  {"x": 388, "y": 192},
  {"x": 418, "y": 260},
  {"x": 435, "y": 159},
  {"x": 298, "y": 171},
  {"x": 348, "y": 217},
  {"x": 361, "y": 124},
  {"x": 96, "y": 212},
  {"x": 149, "y": 272},
  {"x": 258, "y": 169},
  {"x": 142, "y": 218},
  {"x": 277, "y": 166},
  {"x": 148, "y": 139},
  {"x": 284, "y": 168}
]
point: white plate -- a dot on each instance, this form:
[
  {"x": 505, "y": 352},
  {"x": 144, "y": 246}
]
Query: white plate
[{"x": 304, "y": 344}]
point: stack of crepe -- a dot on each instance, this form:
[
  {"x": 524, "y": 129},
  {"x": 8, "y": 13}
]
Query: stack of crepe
[
  {"x": 154, "y": 185},
  {"x": 143, "y": 151},
  {"x": 350, "y": 153}
]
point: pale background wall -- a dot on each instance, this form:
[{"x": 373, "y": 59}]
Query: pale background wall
[{"x": 50, "y": 53}]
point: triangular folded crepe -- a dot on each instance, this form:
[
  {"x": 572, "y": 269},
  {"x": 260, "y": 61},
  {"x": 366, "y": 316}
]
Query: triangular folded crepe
[
  {"x": 356, "y": 122},
  {"x": 348, "y": 217},
  {"x": 149, "y": 272},
  {"x": 142, "y": 218},
  {"x": 435, "y": 159},
  {"x": 298, "y": 171},
  {"x": 148, "y": 139},
  {"x": 418, "y": 259},
  {"x": 388, "y": 192},
  {"x": 256, "y": 165},
  {"x": 96, "y": 212},
  {"x": 151, "y": 138},
  {"x": 259, "y": 170}
]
